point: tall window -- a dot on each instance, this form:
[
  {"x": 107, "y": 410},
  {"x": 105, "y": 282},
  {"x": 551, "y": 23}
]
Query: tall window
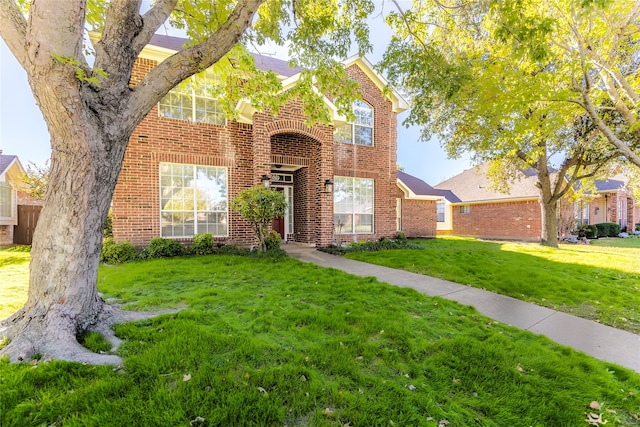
[
  {"x": 359, "y": 132},
  {"x": 6, "y": 201},
  {"x": 398, "y": 214},
  {"x": 353, "y": 205},
  {"x": 192, "y": 100},
  {"x": 440, "y": 211},
  {"x": 193, "y": 199}
]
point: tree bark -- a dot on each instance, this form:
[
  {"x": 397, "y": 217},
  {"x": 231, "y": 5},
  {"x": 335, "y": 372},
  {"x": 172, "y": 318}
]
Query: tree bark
[{"x": 549, "y": 235}]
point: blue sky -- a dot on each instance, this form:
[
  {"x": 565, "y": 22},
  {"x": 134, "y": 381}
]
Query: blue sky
[{"x": 23, "y": 131}]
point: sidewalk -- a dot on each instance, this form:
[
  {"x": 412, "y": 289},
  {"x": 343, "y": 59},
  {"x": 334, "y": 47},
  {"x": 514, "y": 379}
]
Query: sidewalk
[{"x": 600, "y": 341}]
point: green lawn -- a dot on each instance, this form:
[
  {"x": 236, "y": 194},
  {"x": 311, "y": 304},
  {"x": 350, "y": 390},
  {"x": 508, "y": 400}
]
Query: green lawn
[
  {"x": 276, "y": 342},
  {"x": 596, "y": 281}
]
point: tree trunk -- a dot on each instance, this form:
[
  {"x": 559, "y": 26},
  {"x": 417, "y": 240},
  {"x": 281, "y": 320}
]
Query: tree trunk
[
  {"x": 549, "y": 232},
  {"x": 63, "y": 300}
]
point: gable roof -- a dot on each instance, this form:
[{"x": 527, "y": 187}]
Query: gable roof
[
  {"x": 415, "y": 188},
  {"x": 473, "y": 186},
  {"x": 11, "y": 167},
  {"x": 5, "y": 162},
  {"x": 609, "y": 185}
]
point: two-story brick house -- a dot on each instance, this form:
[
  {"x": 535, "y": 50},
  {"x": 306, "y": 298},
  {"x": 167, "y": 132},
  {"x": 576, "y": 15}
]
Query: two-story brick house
[{"x": 185, "y": 162}]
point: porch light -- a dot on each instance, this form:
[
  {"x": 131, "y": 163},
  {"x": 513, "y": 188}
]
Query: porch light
[
  {"x": 266, "y": 181},
  {"x": 328, "y": 186}
]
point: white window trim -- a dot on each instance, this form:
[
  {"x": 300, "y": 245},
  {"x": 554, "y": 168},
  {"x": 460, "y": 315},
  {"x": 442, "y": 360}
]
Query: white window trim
[
  {"x": 353, "y": 214},
  {"x": 193, "y": 103},
  {"x": 353, "y": 127},
  {"x": 195, "y": 229},
  {"x": 13, "y": 219}
]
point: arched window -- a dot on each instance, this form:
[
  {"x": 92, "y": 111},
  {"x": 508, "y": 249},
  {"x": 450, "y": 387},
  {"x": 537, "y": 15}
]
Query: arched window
[{"x": 359, "y": 132}]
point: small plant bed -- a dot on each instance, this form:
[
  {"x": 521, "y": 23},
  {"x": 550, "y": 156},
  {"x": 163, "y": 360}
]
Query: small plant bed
[
  {"x": 202, "y": 244},
  {"x": 593, "y": 282},
  {"x": 276, "y": 342},
  {"x": 400, "y": 242}
]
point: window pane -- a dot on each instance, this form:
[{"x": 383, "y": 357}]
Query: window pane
[
  {"x": 353, "y": 205},
  {"x": 363, "y": 113},
  {"x": 363, "y": 135},
  {"x": 193, "y": 200},
  {"x": 343, "y": 223},
  {"x": 364, "y": 223},
  {"x": 343, "y": 133},
  {"x": 6, "y": 201}
]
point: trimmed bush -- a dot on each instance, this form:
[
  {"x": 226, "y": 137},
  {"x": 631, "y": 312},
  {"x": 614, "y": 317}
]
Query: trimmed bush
[
  {"x": 117, "y": 253},
  {"x": 589, "y": 231},
  {"x": 608, "y": 229},
  {"x": 164, "y": 248},
  {"x": 273, "y": 239},
  {"x": 202, "y": 244}
]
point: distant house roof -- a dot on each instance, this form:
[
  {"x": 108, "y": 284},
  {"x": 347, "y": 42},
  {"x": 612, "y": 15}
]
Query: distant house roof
[
  {"x": 472, "y": 186},
  {"x": 5, "y": 162},
  {"x": 415, "y": 188},
  {"x": 609, "y": 185},
  {"x": 264, "y": 62},
  {"x": 11, "y": 169}
]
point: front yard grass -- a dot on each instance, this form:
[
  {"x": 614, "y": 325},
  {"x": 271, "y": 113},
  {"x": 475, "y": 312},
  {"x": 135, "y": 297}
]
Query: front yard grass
[
  {"x": 594, "y": 281},
  {"x": 276, "y": 342}
]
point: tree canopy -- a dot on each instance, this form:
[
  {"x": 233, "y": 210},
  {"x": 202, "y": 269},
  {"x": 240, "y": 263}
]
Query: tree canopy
[{"x": 490, "y": 75}]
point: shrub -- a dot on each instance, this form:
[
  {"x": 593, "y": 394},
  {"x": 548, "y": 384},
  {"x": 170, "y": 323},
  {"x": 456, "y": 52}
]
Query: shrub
[
  {"x": 610, "y": 229},
  {"x": 164, "y": 248},
  {"x": 202, "y": 244},
  {"x": 117, "y": 253},
  {"x": 589, "y": 231},
  {"x": 371, "y": 246},
  {"x": 273, "y": 239},
  {"x": 108, "y": 225},
  {"x": 400, "y": 237},
  {"x": 637, "y": 226}
]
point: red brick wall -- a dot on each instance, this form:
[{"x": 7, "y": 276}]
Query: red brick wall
[
  {"x": 6, "y": 235},
  {"x": 136, "y": 205},
  {"x": 418, "y": 216},
  {"x": 509, "y": 220},
  {"x": 247, "y": 151},
  {"x": 377, "y": 162}
]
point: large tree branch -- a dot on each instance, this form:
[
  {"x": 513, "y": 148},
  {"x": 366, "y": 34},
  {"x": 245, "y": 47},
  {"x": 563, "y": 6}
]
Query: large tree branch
[
  {"x": 114, "y": 52},
  {"x": 189, "y": 61},
  {"x": 151, "y": 21},
  {"x": 13, "y": 30},
  {"x": 623, "y": 148}
]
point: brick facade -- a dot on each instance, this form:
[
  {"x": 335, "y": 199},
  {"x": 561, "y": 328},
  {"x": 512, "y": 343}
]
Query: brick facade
[
  {"x": 418, "y": 217},
  {"x": 617, "y": 207},
  {"x": 250, "y": 150},
  {"x": 521, "y": 220}
]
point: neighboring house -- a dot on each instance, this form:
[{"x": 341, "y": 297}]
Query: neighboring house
[
  {"x": 612, "y": 202},
  {"x": 186, "y": 161},
  {"x": 11, "y": 172},
  {"x": 416, "y": 206},
  {"x": 469, "y": 207}
]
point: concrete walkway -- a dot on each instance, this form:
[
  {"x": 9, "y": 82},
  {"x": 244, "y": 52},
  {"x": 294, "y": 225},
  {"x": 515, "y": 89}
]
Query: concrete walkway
[{"x": 600, "y": 341}]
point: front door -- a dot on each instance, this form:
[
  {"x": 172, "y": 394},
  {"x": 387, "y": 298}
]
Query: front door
[{"x": 278, "y": 223}]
